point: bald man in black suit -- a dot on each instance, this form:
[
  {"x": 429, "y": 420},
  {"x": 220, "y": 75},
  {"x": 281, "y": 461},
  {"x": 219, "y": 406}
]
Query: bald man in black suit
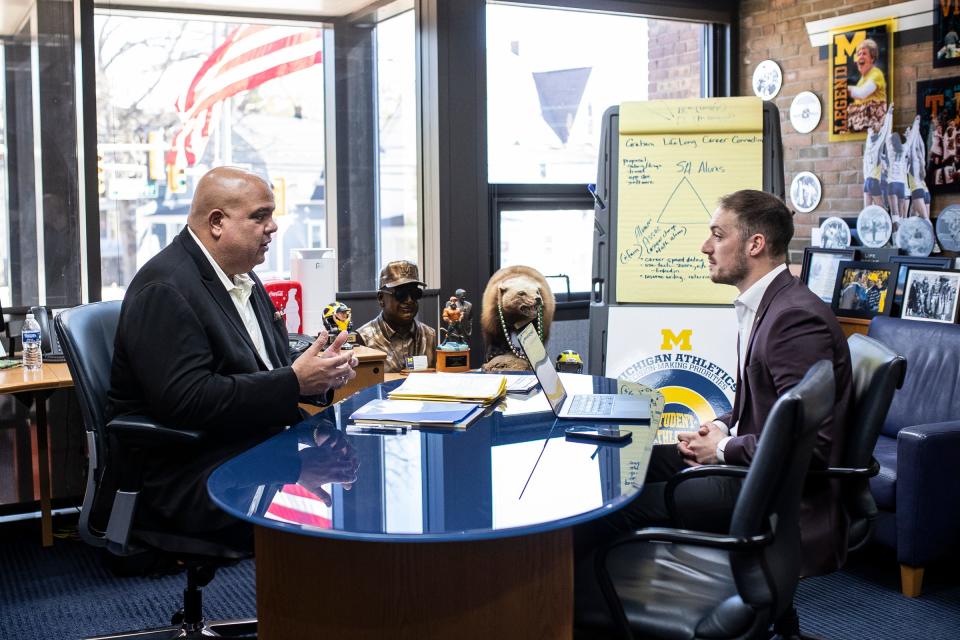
[{"x": 199, "y": 346}]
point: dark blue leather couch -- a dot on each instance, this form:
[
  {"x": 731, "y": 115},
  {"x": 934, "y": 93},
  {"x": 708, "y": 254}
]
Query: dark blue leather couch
[{"x": 918, "y": 488}]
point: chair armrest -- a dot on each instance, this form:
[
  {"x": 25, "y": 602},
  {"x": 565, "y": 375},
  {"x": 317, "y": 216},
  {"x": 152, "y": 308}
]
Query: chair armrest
[
  {"x": 666, "y": 534},
  {"x": 141, "y": 430},
  {"x": 696, "y": 538},
  {"x": 928, "y": 491},
  {"x": 703, "y": 471},
  {"x": 847, "y": 472}
]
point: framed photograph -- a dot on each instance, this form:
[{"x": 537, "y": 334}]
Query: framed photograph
[
  {"x": 863, "y": 289},
  {"x": 904, "y": 264},
  {"x": 861, "y": 72},
  {"x": 819, "y": 269},
  {"x": 946, "y": 34},
  {"x": 937, "y": 109},
  {"x": 931, "y": 295}
]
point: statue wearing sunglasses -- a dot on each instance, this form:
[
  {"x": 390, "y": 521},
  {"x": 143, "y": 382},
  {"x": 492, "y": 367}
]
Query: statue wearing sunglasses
[{"x": 396, "y": 331}]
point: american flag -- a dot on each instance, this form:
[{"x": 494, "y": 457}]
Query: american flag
[
  {"x": 250, "y": 56},
  {"x": 297, "y": 505}
]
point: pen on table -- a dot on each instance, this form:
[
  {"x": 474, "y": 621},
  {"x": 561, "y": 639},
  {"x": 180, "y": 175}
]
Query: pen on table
[{"x": 379, "y": 429}]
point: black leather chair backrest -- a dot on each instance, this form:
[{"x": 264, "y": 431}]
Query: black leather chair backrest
[
  {"x": 878, "y": 372},
  {"x": 771, "y": 492},
  {"x": 929, "y": 386},
  {"x": 86, "y": 334}
]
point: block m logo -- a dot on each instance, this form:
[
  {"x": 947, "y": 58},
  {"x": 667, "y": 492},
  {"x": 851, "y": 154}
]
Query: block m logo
[{"x": 681, "y": 341}]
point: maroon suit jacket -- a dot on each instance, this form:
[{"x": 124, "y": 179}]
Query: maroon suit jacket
[{"x": 793, "y": 330}]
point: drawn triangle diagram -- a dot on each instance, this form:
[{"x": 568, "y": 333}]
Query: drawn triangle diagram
[{"x": 684, "y": 206}]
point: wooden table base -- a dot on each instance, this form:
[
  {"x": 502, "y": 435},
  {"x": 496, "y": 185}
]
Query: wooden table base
[{"x": 311, "y": 587}]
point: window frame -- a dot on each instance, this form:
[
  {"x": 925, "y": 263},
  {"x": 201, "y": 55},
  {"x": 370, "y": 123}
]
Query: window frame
[
  {"x": 718, "y": 79},
  {"x": 545, "y": 197}
]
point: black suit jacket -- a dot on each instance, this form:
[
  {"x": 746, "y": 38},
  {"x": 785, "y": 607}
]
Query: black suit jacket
[
  {"x": 793, "y": 330},
  {"x": 183, "y": 357}
]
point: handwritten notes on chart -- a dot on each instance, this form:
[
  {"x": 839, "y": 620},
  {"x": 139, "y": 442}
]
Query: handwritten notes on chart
[{"x": 677, "y": 158}]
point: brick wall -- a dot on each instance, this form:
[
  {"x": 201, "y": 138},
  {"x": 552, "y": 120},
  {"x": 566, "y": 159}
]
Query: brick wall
[
  {"x": 674, "y": 59},
  {"x": 776, "y": 29}
]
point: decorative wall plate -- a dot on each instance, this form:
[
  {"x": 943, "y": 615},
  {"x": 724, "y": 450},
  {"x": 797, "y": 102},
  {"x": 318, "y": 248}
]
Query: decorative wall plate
[
  {"x": 767, "y": 80},
  {"x": 805, "y": 191},
  {"x": 805, "y": 111},
  {"x": 948, "y": 228},
  {"x": 915, "y": 236},
  {"x": 834, "y": 233},
  {"x": 874, "y": 226}
]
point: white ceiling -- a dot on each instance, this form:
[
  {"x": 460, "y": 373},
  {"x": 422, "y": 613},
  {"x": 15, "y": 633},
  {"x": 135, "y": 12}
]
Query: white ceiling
[{"x": 13, "y": 12}]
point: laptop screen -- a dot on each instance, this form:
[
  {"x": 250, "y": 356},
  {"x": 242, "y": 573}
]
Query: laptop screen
[{"x": 542, "y": 367}]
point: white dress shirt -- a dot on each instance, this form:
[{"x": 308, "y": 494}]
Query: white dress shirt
[
  {"x": 746, "y": 305},
  {"x": 239, "y": 289}
]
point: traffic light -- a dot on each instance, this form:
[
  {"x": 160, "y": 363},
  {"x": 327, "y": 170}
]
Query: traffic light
[
  {"x": 101, "y": 176},
  {"x": 176, "y": 179},
  {"x": 279, "y": 197},
  {"x": 154, "y": 156}
]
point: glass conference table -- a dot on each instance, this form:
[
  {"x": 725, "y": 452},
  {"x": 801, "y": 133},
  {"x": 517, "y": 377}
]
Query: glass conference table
[{"x": 426, "y": 533}]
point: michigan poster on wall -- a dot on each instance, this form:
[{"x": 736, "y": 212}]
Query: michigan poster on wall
[
  {"x": 688, "y": 354},
  {"x": 861, "y": 71},
  {"x": 677, "y": 157}
]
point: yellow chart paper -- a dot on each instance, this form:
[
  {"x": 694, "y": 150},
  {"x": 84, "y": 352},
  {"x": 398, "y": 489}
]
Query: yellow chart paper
[{"x": 677, "y": 157}]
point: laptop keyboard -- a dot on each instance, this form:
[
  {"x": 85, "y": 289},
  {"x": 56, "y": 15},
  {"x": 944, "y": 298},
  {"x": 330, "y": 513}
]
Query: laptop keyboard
[{"x": 591, "y": 405}]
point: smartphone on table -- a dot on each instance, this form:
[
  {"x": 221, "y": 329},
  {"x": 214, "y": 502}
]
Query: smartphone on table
[{"x": 598, "y": 434}]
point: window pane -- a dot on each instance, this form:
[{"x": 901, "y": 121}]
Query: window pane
[
  {"x": 5, "y": 293},
  {"x": 557, "y": 243},
  {"x": 552, "y": 73},
  {"x": 397, "y": 132},
  {"x": 177, "y": 97}
]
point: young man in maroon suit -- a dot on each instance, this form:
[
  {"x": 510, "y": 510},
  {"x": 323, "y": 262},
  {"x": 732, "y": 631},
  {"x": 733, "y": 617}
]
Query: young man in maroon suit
[{"x": 783, "y": 330}]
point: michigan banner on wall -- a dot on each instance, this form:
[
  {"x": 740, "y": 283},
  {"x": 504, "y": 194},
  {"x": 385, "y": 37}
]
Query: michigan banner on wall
[{"x": 688, "y": 353}]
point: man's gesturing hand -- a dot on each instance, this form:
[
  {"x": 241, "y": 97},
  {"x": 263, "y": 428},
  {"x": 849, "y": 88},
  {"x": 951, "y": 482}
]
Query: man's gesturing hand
[{"x": 320, "y": 369}]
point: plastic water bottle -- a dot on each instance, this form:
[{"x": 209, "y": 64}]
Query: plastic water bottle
[{"x": 30, "y": 337}]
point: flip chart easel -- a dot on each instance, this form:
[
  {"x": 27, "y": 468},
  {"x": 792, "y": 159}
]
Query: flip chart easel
[{"x": 676, "y": 158}]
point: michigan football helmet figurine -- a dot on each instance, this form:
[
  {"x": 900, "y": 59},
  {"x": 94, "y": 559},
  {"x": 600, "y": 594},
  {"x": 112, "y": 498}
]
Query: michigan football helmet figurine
[
  {"x": 569, "y": 361},
  {"x": 337, "y": 317}
]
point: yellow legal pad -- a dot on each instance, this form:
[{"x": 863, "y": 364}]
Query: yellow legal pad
[
  {"x": 483, "y": 389},
  {"x": 677, "y": 157}
]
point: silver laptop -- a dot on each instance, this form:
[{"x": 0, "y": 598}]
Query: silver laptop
[{"x": 602, "y": 406}]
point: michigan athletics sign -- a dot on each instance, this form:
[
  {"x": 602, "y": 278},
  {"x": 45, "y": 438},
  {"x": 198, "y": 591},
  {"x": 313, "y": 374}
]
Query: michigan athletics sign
[{"x": 688, "y": 353}]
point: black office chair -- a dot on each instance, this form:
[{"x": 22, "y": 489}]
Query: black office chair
[
  {"x": 878, "y": 372},
  {"x": 114, "y": 449},
  {"x": 733, "y": 585}
]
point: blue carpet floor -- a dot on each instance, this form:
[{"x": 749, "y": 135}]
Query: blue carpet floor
[
  {"x": 65, "y": 592},
  {"x": 863, "y": 602}
]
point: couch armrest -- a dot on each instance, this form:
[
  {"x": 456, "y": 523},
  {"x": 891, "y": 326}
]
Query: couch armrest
[{"x": 928, "y": 491}]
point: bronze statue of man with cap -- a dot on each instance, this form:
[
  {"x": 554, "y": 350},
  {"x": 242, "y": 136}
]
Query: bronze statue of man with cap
[{"x": 396, "y": 331}]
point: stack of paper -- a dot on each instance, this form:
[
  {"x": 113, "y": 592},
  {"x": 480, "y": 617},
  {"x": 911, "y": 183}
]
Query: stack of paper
[
  {"x": 415, "y": 412},
  {"x": 484, "y": 389}
]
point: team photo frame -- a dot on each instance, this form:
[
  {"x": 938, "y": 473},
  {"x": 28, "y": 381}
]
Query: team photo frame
[
  {"x": 946, "y": 33},
  {"x": 819, "y": 269},
  {"x": 904, "y": 264},
  {"x": 863, "y": 289},
  {"x": 931, "y": 295}
]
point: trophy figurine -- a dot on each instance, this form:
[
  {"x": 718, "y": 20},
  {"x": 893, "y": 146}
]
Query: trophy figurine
[
  {"x": 338, "y": 317},
  {"x": 453, "y": 352}
]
